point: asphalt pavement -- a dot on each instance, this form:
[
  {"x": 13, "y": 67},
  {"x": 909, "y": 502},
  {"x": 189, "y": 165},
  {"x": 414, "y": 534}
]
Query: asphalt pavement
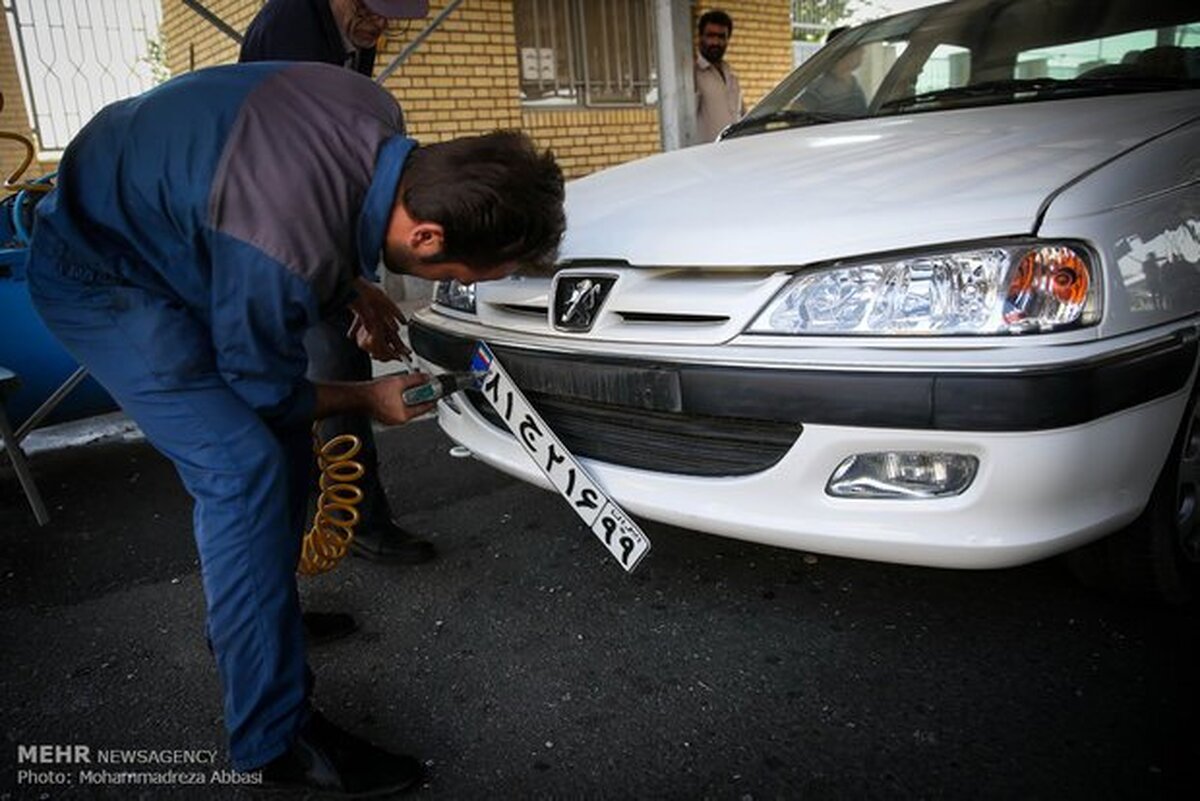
[{"x": 524, "y": 663}]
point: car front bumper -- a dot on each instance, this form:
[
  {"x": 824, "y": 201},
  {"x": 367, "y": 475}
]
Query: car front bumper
[{"x": 1067, "y": 453}]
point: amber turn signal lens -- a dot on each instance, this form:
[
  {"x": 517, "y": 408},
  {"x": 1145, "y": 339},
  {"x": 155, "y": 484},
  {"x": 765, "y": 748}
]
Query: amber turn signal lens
[
  {"x": 1056, "y": 271},
  {"x": 1050, "y": 274}
]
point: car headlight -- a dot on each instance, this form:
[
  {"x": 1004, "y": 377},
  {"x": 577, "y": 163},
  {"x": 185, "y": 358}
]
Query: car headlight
[
  {"x": 454, "y": 295},
  {"x": 1002, "y": 289}
]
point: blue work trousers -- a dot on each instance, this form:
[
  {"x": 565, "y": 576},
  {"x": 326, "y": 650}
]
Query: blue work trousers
[{"x": 248, "y": 481}]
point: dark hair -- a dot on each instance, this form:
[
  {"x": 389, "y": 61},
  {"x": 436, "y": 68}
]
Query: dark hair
[
  {"x": 496, "y": 197},
  {"x": 716, "y": 17}
]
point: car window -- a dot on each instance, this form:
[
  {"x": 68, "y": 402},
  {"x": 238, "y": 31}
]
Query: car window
[
  {"x": 948, "y": 65},
  {"x": 1110, "y": 55},
  {"x": 988, "y": 52}
]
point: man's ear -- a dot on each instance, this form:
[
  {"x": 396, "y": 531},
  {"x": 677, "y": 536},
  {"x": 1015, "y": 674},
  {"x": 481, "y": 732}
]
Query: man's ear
[{"x": 426, "y": 239}]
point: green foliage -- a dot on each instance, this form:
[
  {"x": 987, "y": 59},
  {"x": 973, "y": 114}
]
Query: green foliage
[
  {"x": 811, "y": 19},
  {"x": 156, "y": 59}
]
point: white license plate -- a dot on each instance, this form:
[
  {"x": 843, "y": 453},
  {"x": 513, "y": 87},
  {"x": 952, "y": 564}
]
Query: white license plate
[{"x": 608, "y": 521}]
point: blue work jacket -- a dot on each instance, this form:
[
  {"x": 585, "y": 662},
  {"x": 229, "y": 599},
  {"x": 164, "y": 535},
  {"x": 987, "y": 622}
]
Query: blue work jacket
[{"x": 251, "y": 195}]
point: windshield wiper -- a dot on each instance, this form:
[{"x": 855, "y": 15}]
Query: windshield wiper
[
  {"x": 1044, "y": 87},
  {"x": 973, "y": 91},
  {"x": 785, "y": 118},
  {"x": 1132, "y": 83}
]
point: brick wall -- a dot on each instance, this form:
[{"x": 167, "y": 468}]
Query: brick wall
[
  {"x": 585, "y": 140},
  {"x": 463, "y": 79},
  {"x": 191, "y": 42}
]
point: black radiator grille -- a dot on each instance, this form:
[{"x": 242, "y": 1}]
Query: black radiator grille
[{"x": 667, "y": 442}]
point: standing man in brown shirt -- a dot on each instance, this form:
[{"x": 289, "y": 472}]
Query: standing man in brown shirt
[{"x": 718, "y": 93}]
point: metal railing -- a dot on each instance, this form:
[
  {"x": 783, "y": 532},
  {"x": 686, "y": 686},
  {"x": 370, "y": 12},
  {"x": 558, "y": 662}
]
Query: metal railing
[
  {"x": 76, "y": 56},
  {"x": 586, "y": 52}
]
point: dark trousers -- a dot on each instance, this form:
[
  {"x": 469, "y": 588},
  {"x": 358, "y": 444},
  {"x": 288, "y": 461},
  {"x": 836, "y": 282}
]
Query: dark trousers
[{"x": 333, "y": 356}]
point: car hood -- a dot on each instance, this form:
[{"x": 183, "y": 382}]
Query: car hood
[{"x": 821, "y": 192}]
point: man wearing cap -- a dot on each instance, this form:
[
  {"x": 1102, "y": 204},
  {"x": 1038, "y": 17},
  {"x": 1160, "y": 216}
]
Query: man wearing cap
[
  {"x": 338, "y": 32},
  {"x": 343, "y": 33}
]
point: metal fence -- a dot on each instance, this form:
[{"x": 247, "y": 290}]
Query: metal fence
[
  {"x": 589, "y": 52},
  {"x": 76, "y": 56}
]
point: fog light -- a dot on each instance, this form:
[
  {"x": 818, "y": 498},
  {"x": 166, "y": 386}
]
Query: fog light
[{"x": 902, "y": 474}]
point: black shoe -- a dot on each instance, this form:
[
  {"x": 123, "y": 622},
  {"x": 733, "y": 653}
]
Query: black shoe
[
  {"x": 325, "y": 627},
  {"x": 324, "y": 757},
  {"x": 387, "y": 543}
]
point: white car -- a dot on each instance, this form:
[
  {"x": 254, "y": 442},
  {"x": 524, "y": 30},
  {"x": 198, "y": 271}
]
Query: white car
[{"x": 934, "y": 301}]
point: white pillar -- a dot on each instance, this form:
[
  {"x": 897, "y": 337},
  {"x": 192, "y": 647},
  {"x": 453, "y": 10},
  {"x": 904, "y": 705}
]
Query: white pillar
[{"x": 676, "y": 86}]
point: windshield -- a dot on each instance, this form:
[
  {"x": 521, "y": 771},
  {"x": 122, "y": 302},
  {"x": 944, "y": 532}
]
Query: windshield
[{"x": 986, "y": 53}]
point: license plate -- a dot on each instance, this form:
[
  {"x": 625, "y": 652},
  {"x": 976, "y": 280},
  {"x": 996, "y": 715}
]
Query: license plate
[
  {"x": 620, "y": 385},
  {"x": 608, "y": 521}
]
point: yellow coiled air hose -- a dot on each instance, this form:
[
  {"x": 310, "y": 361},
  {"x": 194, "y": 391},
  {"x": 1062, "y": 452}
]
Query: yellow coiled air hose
[{"x": 327, "y": 542}]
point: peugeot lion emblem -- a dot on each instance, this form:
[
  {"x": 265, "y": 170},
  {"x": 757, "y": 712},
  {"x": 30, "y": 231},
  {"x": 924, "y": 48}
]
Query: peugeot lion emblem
[{"x": 577, "y": 300}]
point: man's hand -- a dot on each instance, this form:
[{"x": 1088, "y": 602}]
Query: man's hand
[
  {"x": 377, "y": 321},
  {"x": 386, "y": 404},
  {"x": 380, "y": 398}
]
